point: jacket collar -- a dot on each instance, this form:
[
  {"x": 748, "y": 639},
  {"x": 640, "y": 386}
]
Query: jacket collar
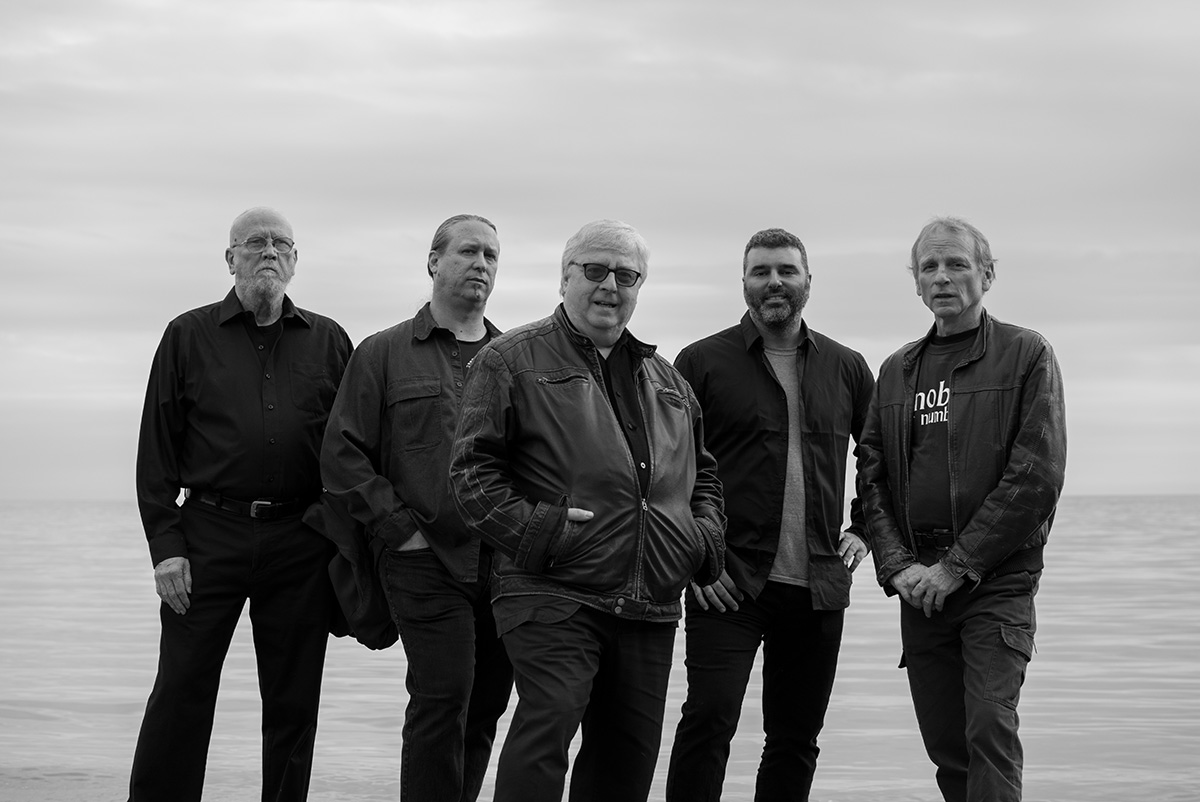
[
  {"x": 231, "y": 309},
  {"x": 639, "y": 349},
  {"x": 424, "y": 324},
  {"x": 751, "y": 336},
  {"x": 913, "y": 350}
]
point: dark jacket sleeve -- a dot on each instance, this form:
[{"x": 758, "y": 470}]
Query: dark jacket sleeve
[
  {"x": 492, "y": 505},
  {"x": 884, "y": 536},
  {"x": 351, "y": 459},
  {"x": 864, "y": 389}
]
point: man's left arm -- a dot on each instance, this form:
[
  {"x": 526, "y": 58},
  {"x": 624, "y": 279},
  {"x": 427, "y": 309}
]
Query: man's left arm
[
  {"x": 853, "y": 544},
  {"x": 1028, "y": 491},
  {"x": 708, "y": 505}
]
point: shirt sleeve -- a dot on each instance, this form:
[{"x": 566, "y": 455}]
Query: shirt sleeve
[{"x": 159, "y": 442}]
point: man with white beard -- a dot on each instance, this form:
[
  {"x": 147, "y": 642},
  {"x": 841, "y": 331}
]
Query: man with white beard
[
  {"x": 781, "y": 403},
  {"x": 235, "y": 410}
]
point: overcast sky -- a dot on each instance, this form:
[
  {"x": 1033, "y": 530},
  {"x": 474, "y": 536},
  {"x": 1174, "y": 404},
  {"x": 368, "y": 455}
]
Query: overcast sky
[{"x": 134, "y": 132}]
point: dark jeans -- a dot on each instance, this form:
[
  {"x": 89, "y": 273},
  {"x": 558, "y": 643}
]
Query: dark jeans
[
  {"x": 606, "y": 672},
  {"x": 458, "y": 680},
  {"x": 280, "y": 566},
  {"x": 800, "y": 651},
  {"x": 966, "y": 666}
]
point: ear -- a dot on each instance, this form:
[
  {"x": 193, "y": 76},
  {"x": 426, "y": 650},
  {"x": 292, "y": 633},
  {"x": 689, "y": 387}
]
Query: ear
[
  {"x": 989, "y": 276},
  {"x": 431, "y": 265},
  {"x": 229, "y": 259}
]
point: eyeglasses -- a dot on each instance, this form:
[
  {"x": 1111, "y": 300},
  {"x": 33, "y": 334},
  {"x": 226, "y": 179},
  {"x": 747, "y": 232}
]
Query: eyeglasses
[
  {"x": 259, "y": 244},
  {"x": 597, "y": 273}
]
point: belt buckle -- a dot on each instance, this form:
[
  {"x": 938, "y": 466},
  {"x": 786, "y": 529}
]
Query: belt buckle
[{"x": 257, "y": 505}]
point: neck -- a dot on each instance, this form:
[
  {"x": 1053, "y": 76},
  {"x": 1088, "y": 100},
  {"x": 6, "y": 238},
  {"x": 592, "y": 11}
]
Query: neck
[
  {"x": 267, "y": 307},
  {"x": 464, "y": 320},
  {"x": 946, "y": 327},
  {"x": 779, "y": 339}
]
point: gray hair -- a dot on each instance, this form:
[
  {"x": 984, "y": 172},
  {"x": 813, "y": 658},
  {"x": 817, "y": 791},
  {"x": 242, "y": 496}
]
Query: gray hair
[
  {"x": 607, "y": 235},
  {"x": 775, "y": 238},
  {"x": 441, "y": 237},
  {"x": 957, "y": 226}
]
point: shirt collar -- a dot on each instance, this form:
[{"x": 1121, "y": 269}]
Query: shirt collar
[
  {"x": 424, "y": 325},
  {"x": 636, "y": 347},
  {"x": 231, "y": 309},
  {"x": 752, "y": 336}
]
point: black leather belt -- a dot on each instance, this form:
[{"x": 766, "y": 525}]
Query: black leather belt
[
  {"x": 937, "y": 539},
  {"x": 262, "y": 509}
]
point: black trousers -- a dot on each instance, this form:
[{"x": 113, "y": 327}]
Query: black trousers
[
  {"x": 281, "y": 568},
  {"x": 606, "y": 673},
  {"x": 800, "y": 652}
]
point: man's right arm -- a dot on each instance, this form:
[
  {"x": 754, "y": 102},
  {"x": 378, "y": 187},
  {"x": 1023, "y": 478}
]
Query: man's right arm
[
  {"x": 351, "y": 452},
  {"x": 885, "y": 538},
  {"x": 494, "y": 508}
]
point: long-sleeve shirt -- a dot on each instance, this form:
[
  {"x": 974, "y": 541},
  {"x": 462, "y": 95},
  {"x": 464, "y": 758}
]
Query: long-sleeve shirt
[
  {"x": 746, "y": 428},
  {"x": 386, "y": 454},
  {"x": 235, "y": 409}
]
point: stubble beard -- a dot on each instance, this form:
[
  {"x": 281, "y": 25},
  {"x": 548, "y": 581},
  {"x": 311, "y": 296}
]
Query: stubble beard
[{"x": 778, "y": 319}]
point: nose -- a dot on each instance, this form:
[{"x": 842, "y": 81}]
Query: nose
[
  {"x": 773, "y": 280},
  {"x": 610, "y": 282},
  {"x": 269, "y": 251}
]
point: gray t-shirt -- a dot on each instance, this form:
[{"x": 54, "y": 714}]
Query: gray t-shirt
[{"x": 791, "y": 558}]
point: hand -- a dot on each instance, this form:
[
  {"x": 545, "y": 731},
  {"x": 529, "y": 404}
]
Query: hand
[
  {"x": 851, "y": 549},
  {"x": 931, "y": 592},
  {"x": 722, "y": 594},
  {"x": 906, "y": 579},
  {"x": 577, "y": 514},
  {"x": 173, "y": 583}
]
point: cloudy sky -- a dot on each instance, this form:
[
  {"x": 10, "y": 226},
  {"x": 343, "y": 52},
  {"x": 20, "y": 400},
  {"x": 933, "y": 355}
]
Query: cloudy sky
[{"x": 134, "y": 131}]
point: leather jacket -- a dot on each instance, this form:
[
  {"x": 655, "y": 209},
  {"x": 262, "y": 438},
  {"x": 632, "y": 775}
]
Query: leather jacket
[
  {"x": 1008, "y": 449},
  {"x": 536, "y": 435}
]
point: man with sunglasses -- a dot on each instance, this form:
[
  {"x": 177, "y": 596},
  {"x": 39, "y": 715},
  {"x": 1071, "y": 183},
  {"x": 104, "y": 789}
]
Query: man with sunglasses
[
  {"x": 579, "y": 456},
  {"x": 781, "y": 405},
  {"x": 235, "y": 410}
]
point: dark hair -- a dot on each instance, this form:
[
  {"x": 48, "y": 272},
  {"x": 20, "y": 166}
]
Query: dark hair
[
  {"x": 775, "y": 238},
  {"x": 441, "y": 237}
]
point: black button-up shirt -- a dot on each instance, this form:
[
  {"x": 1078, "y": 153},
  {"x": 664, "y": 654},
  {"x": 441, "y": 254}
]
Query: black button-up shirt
[
  {"x": 746, "y": 429},
  {"x": 235, "y": 409},
  {"x": 386, "y": 454}
]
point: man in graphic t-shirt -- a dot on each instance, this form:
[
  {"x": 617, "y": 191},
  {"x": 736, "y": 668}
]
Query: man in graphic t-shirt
[
  {"x": 962, "y": 461},
  {"x": 781, "y": 403}
]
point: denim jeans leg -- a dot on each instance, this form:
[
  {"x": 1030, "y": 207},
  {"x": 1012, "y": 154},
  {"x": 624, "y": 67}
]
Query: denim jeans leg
[
  {"x": 436, "y": 617},
  {"x": 800, "y": 654},
  {"x": 720, "y": 652}
]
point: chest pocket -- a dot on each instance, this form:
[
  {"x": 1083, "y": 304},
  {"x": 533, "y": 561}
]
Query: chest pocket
[
  {"x": 312, "y": 387},
  {"x": 415, "y": 410}
]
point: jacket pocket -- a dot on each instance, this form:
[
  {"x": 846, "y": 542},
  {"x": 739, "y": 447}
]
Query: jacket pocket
[{"x": 414, "y": 406}]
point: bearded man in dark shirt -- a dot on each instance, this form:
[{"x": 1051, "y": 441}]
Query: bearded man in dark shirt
[
  {"x": 235, "y": 409},
  {"x": 781, "y": 404}
]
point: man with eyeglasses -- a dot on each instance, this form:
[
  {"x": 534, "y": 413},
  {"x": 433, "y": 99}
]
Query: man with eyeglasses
[
  {"x": 579, "y": 456},
  {"x": 386, "y": 458},
  {"x": 781, "y": 404},
  {"x": 236, "y": 405}
]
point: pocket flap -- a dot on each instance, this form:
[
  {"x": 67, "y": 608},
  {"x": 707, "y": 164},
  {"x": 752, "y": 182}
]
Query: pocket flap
[
  {"x": 1019, "y": 640},
  {"x": 408, "y": 389}
]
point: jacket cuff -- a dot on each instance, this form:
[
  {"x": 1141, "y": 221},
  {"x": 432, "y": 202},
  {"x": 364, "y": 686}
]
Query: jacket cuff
[
  {"x": 397, "y": 530},
  {"x": 714, "y": 550}
]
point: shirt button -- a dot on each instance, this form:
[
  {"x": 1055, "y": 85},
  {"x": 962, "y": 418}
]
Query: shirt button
[
  {"x": 458, "y": 384},
  {"x": 268, "y": 375},
  {"x": 271, "y": 441},
  {"x": 270, "y": 479},
  {"x": 270, "y": 406},
  {"x": 260, "y": 347},
  {"x": 454, "y": 353},
  {"x": 632, "y": 426},
  {"x": 642, "y": 464}
]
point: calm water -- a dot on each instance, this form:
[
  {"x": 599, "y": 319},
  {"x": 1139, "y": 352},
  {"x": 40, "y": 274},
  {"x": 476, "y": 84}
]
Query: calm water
[{"x": 1111, "y": 708}]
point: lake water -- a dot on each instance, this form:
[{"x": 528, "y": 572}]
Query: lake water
[{"x": 1110, "y": 710}]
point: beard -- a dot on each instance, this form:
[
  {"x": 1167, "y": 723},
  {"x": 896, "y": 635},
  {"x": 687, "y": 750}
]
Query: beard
[
  {"x": 263, "y": 294},
  {"x": 777, "y": 317}
]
